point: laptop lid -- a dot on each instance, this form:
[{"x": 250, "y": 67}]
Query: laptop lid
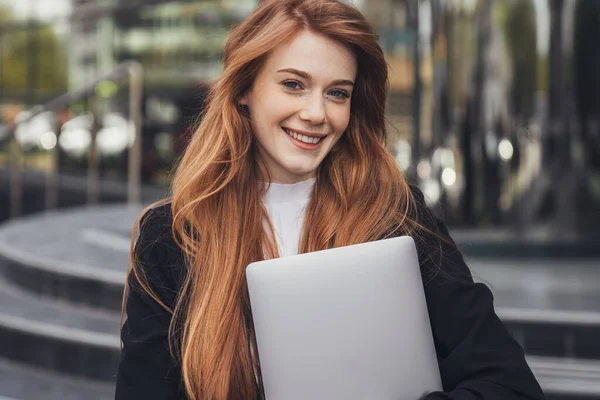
[{"x": 345, "y": 323}]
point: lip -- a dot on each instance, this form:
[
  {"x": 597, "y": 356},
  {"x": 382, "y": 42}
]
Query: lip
[
  {"x": 302, "y": 145},
  {"x": 305, "y": 133}
]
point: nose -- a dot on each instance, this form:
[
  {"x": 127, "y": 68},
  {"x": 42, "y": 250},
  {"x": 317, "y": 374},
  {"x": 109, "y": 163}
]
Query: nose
[{"x": 313, "y": 111}]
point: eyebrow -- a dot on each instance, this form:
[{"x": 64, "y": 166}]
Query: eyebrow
[{"x": 306, "y": 75}]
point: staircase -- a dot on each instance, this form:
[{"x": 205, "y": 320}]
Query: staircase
[
  {"x": 61, "y": 281},
  {"x": 62, "y": 274},
  {"x": 550, "y": 304}
]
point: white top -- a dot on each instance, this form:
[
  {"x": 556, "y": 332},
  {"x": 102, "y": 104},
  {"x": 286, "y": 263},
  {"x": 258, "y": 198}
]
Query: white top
[{"x": 286, "y": 205}]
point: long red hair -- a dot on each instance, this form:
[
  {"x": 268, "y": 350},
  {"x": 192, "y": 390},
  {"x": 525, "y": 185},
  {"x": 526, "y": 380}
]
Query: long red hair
[{"x": 218, "y": 217}]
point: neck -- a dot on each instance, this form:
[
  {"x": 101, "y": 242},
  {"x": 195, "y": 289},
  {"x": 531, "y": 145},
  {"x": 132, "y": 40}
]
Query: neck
[{"x": 290, "y": 191}]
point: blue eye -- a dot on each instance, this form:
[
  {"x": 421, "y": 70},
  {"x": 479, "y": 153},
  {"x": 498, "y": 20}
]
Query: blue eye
[
  {"x": 292, "y": 85},
  {"x": 339, "y": 94}
]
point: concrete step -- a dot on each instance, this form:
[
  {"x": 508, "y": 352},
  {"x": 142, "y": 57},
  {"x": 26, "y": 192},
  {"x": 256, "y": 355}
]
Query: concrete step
[
  {"x": 57, "y": 335},
  {"x": 26, "y": 382},
  {"x": 72, "y": 191},
  {"x": 567, "y": 378},
  {"x": 552, "y": 306},
  {"x": 79, "y": 255},
  {"x": 505, "y": 243},
  {"x": 555, "y": 333}
]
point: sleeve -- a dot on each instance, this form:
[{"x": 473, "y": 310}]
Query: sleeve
[
  {"x": 478, "y": 358},
  {"x": 146, "y": 369}
]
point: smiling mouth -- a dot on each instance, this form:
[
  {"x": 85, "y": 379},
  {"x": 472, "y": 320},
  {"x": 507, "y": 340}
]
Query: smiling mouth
[{"x": 303, "y": 138}]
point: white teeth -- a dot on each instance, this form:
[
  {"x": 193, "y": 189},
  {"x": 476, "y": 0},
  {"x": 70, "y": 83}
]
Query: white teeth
[{"x": 302, "y": 138}]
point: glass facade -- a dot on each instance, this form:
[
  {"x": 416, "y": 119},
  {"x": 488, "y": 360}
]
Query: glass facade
[{"x": 517, "y": 116}]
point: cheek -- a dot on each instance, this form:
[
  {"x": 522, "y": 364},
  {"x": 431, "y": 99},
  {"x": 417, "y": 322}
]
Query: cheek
[
  {"x": 271, "y": 106},
  {"x": 340, "y": 120}
]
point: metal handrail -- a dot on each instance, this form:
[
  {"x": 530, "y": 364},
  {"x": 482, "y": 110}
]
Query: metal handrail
[{"x": 131, "y": 69}]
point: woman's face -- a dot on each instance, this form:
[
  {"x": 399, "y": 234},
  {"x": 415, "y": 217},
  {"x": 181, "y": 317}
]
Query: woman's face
[{"x": 299, "y": 104}]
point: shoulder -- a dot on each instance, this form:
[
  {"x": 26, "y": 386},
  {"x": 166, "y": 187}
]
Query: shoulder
[
  {"x": 428, "y": 225},
  {"x": 154, "y": 224},
  {"x": 156, "y": 254},
  {"x": 437, "y": 250},
  {"x": 421, "y": 212}
]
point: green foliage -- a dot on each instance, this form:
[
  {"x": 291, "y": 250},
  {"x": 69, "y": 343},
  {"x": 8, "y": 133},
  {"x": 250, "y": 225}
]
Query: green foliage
[
  {"x": 31, "y": 46},
  {"x": 6, "y": 15}
]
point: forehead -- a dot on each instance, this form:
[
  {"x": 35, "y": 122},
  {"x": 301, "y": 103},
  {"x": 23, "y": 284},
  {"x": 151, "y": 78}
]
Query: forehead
[{"x": 318, "y": 55}]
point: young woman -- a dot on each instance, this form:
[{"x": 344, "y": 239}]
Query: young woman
[{"x": 290, "y": 158}]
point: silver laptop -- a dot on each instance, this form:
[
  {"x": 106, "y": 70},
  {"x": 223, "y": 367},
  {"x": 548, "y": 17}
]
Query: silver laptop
[{"x": 346, "y": 323}]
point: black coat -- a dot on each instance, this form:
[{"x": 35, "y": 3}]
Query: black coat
[{"x": 477, "y": 356}]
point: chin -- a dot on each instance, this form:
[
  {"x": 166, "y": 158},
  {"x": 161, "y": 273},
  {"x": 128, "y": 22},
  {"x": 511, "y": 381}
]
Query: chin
[
  {"x": 300, "y": 167},
  {"x": 302, "y": 172}
]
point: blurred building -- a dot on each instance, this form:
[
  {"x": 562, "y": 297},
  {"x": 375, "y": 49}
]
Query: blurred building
[
  {"x": 491, "y": 103},
  {"x": 179, "y": 44},
  {"x": 90, "y": 43}
]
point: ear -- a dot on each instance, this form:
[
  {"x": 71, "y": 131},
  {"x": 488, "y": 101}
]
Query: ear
[{"x": 242, "y": 105}]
